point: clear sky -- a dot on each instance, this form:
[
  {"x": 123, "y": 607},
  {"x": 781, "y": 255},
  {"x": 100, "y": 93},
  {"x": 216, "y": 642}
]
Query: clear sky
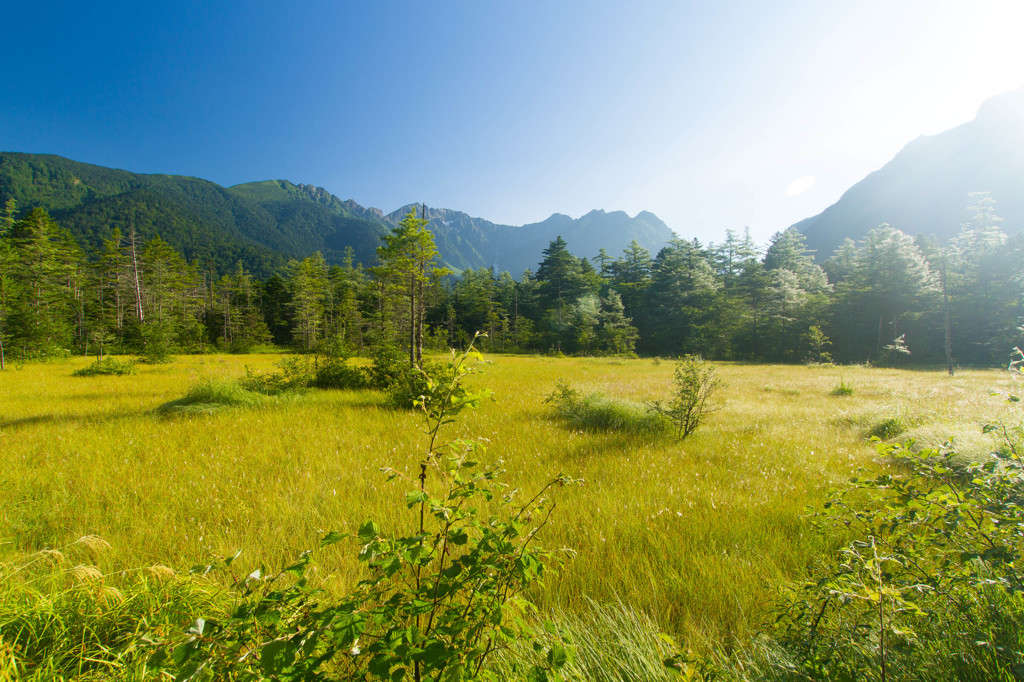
[{"x": 712, "y": 115}]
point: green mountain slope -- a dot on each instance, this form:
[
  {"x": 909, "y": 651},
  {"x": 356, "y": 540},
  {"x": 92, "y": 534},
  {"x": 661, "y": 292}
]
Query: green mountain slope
[{"x": 265, "y": 223}]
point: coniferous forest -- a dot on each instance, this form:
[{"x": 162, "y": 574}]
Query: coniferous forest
[{"x": 883, "y": 300}]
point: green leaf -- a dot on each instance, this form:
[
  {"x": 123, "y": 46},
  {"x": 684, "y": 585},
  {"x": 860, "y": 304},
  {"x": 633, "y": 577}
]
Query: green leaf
[
  {"x": 557, "y": 656},
  {"x": 231, "y": 559},
  {"x": 299, "y": 567},
  {"x": 368, "y": 532},
  {"x": 416, "y": 497},
  {"x": 275, "y": 656},
  {"x": 331, "y": 538},
  {"x": 183, "y": 652}
]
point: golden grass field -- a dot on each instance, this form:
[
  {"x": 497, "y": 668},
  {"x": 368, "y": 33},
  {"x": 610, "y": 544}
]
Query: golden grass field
[{"x": 696, "y": 533}]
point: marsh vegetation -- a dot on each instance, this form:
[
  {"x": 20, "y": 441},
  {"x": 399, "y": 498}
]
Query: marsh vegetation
[{"x": 694, "y": 537}]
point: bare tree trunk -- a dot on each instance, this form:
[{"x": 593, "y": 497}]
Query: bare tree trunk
[
  {"x": 945, "y": 307},
  {"x": 420, "y": 314},
  {"x": 412, "y": 318},
  {"x": 138, "y": 287}
]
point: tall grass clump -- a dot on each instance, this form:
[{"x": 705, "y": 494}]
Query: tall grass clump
[
  {"x": 597, "y": 412},
  {"x": 842, "y": 389},
  {"x": 61, "y": 617},
  {"x": 889, "y": 428},
  {"x": 106, "y": 366},
  {"x": 213, "y": 394},
  {"x": 611, "y": 642}
]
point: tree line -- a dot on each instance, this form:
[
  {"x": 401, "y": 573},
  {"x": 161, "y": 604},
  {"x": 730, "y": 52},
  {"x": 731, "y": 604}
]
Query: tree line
[{"x": 891, "y": 298}]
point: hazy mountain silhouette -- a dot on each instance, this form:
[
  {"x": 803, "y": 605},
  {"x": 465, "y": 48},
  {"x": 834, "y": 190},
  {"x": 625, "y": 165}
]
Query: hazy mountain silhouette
[{"x": 924, "y": 189}]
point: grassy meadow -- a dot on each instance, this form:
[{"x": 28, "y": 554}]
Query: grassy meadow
[{"x": 693, "y": 533}]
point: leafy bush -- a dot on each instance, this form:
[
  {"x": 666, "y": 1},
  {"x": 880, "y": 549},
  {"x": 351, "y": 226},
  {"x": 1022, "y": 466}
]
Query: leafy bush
[
  {"x": 156, "y": 344},
  {"x": 105, "y": 366},
  {"x": 337, "y": 373},
  {"x": 389, "y": 363},
  {"x": 597, "y": 412},
  {"x": 930, "y": 588},
  {"x": 331, "y": 368},
  {"x": 692, "y": 388},
  {"x": 290, "y": 374}
]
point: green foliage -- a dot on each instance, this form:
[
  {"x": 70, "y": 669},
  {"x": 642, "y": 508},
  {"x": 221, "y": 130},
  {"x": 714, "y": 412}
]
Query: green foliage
[
  {"x": 388, "y": 363},
  {"x": 104, "y": 366},
  {"x": 436, "y": 603},
  {"x": 332, "y": 369},
  {"x": 597, "y": 412},
  {"x": 410, "y": 384},
  {"x": 337, "y": 373},
  {"x": 329, "y": 369},
  {"x": 693, "y": 386},
  {"x": 156, "y": 344},
  {"x": 403, "y": 383},
  {"x": 290, "y": 374},
  {"x": 818, "y": 343},
  {"x": 930, "y": 587}
]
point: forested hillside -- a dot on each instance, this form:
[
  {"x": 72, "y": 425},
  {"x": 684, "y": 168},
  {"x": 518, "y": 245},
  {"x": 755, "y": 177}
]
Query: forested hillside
[
  {"x": 264, "y": 224},
  {"x": 882, "y": 300}
]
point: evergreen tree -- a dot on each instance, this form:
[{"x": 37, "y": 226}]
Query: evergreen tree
[
  {"x": 307, "y": 284},
  {"x": 616, "y": 335},
  {"x": 984, "y": 287},
  {"x": 562, "y": 281},
  {"x": 44, "y": 273},
  {"x": 408, "y": 259},
  {"x": 682, "y": 301},
  {"x": 885, "y": 296}
]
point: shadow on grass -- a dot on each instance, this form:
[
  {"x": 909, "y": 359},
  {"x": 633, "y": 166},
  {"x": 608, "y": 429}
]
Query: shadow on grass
[{"x": 27, "y": 422}]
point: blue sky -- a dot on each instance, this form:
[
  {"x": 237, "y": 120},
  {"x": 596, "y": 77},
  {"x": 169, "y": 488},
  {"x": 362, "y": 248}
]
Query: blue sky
[{"x": 712, "y": 115}]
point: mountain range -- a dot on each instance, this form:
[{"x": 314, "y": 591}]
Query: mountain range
[
  {"x": 264, "y": 224},
  {"x": 924, "y": 189}
]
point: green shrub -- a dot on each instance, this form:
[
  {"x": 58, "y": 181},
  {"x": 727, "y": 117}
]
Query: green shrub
[
  {"x": 337, "y": 373},
  {"x": 388, "y": 364},
  {"x": 156, "y": 344},
  {"x": 409, "y": 386},
  {"x": 290, "y": 374},
  {"x": 106, "y": 366},
  {"x": 930, "y": 587},
  {"x": 331, "y": 368},
  {"x": 597, "y": 412},
  {"x": 693, "y": 386}
]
